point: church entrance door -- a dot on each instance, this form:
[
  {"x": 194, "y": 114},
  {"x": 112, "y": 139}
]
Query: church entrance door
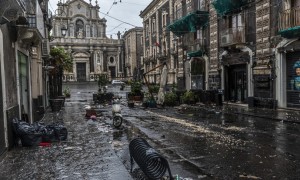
[{"x": 81, "y": 71}]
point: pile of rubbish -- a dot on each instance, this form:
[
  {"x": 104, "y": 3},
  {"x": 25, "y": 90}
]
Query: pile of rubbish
[{"x": 38, "y": 133}]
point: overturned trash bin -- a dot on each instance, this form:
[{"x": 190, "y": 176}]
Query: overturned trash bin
[{"x": 150, "y": 162}]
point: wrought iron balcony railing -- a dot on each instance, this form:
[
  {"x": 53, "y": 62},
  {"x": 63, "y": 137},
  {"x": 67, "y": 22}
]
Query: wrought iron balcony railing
[
  {"x": 232, "y": 36},
  {"x": 197, "y": 44},
  {"x": 289, "y": 18}
]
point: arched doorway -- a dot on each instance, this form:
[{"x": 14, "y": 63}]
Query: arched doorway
[
  {"x": 112, "y": 67},
  {"x": 198, "y": 73}
]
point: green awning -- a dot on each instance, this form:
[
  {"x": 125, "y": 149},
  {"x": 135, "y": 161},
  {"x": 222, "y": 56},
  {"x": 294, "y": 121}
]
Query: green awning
[
  {"x": 189, "y": 23},
  {"x": 290, "y": 32},
  {"x": 197, "y": 53},
  {"x": 224, "y": 6}
]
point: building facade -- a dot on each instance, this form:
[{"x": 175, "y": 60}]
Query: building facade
[
  {"x": 285, "y": 47},
  {"x": 190, "y": 27},
  {"x": 158, "y": 44},
  {"x": 133, "y": 53},
  {"x": 236, "y": 48},
  {"x": 247, "y": 49},
  {"x": 92, "y": 51},
  {"x": 24, "y": 27}
]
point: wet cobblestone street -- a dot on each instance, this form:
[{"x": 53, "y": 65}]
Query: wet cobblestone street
[{"x": 198, "y": 142}]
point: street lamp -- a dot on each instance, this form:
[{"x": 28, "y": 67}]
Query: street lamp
[{"x": 64, "y": 31}]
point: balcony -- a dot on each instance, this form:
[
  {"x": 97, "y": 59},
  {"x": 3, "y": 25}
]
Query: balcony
[
  {"x": 147, "y": 42},
  {"x": 289, "y": 23},
  {"x": 225, "y": 6},
  {"x": 161, "y": 56},
  {"x": 232, "y": 36},
  {"x": 195, "y": 45},
  {"x": 196, "y": 48},
  {"x": 150, "y": 59},
  {"x": 189, "y": 23}
]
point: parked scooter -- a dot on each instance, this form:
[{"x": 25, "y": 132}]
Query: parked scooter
[{"x": 116, "y": 112}]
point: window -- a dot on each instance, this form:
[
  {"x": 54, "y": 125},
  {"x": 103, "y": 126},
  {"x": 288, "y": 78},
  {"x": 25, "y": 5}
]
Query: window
[
  {"x": 178, "y": 11},
  {"x": 32, "y": 20},
  {"x": 201, "y": 5},
  {"x": 147, "y": 30},
  {"x": 111, "y": 60},
  {"x": 153, "y": 25}
]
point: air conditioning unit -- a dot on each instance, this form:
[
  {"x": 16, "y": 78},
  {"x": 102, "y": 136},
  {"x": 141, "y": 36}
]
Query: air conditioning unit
[
  {"x": 226, "y": 39},
  {"x": 45, "y": 48}
]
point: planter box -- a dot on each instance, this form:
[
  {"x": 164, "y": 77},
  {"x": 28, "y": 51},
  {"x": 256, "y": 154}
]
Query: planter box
[
  {"x": 137, "y": 98},
  {"x": 56, "y": 104}
]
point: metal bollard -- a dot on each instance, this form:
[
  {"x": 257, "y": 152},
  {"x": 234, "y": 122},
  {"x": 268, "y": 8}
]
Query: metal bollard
[{"x": 151, "y": 163}]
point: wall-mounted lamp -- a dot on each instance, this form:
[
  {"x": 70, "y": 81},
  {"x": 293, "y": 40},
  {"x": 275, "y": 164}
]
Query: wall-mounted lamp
[{"x": 64, "y": 31}]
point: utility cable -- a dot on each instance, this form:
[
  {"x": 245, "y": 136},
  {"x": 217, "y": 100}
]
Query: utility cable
[
  {"x": 118, "y": 19},
  {"x": 115, "y": 27}
]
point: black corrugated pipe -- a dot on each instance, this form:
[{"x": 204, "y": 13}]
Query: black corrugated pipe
[{"x": 150, "y": 162}]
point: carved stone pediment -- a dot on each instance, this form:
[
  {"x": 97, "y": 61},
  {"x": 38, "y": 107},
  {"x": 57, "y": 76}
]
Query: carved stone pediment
[{"x": 81, "y": 55}]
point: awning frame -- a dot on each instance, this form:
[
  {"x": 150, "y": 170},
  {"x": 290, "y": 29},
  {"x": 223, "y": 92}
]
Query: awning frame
[{"x": 189, "y": 23}]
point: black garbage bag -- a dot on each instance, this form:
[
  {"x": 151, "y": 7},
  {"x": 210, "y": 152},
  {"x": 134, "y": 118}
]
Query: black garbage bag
[
  {"x": 27, "y": 133},
  {"x": 52, "y": 132},
  {"x": 60, "y": 131},
  {"x": 33, "y": 134}
]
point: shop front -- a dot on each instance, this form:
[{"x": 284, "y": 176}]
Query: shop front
[{"x": 293, "y": 79}]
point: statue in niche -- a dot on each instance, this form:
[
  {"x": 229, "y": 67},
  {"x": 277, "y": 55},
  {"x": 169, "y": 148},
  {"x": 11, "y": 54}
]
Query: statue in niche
[{"x": 80, "y": 33}]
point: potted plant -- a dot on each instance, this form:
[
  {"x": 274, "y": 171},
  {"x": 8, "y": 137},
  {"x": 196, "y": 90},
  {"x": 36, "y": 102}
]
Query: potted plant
[
  {"x": 136, "y": 91},
  {"x": 67, "y": 92},
  {"x": 148, "y": 100},
  {"x": 102, "y": 96},
  {"x": 60, "y": 61},
  {"x": 188, "y": 97},
  {"x": 170, "y": 99},
  {"x": 102, "y": 82}
]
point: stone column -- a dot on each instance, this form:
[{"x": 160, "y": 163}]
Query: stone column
[{"x": 101, "y": 61}]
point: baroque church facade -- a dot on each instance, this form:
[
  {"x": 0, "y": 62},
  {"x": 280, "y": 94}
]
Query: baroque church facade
[{"x": 85, "y": 39}]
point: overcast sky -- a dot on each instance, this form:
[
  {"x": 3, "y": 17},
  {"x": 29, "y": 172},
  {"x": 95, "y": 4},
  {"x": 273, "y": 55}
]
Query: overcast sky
[{"x": 127, "y": 11}]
